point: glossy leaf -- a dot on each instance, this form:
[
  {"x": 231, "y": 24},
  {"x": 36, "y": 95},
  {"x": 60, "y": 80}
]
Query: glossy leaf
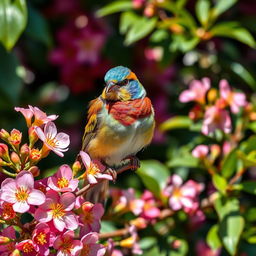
[
  {"x": 213, "y": 239},
  {"x": 141, "y": 28},
  {"x": 230, "y": 231},
  {"x": 225, "y": 206},
  {"x": 127, "y": 19},
  {"x": 229, "y": 164},
  {"x": 177, "y": 122},
  {"x": 202, "y": 11},
  {"x": 186, "y": 160},
  {"x": 220, "y": 183},
  {"x": 154, "y": 175},
  {"x": 222, "y": 6},
  {"x": 249, "y": 187},
  {"x": 114, "y": 7},
  {"x": 13, "y": 20},
  {"x": 242, "y": 72}
]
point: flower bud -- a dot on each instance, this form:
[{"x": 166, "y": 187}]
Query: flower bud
[
  {"x": 76, "y": 167},
  {"x": 15, "y": 158},
  {"x": 32, "y": 136},
  {"x": 137, "y": 3},
  {"x": 128, "y": 242},
  {"x": 35, "y": 171},
  {"x": 149, "y": 11},
  {"x": 139, "y": 223},
  {"x": 4, "y": 153},
  {"x": 15, "y": 138},
  {"x": 24, "y": 150},
  {"x": 212, "y": 95},
  {"x": 35, "y": 154},
  {"x": 4, "y": 135},
  {"x": 87, "y": 206},
  {"x": 4, "y": 240},
  {"x": 16, "y": 252}
]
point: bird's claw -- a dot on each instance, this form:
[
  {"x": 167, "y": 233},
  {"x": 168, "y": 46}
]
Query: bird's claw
[
  {"x": 134, "y": 162},
  {"x": 111, "y": 172}
]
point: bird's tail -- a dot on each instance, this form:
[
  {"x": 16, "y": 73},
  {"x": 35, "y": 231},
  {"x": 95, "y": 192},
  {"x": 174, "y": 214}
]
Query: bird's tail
[{"x": 98, "y": 193}]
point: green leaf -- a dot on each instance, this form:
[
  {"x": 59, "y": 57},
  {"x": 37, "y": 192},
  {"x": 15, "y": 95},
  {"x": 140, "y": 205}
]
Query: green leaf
[
  {"x": 202, "y": 11},
  {"x": 147, "y": 242},
  {"x": 229, "y": 164},
  {"x": 186, "y": 160},
  {"x": 107, "y": 226},
  {"x": 230, "y": 231},
  {"x": 140, "y": 29},
  {"x": 242, "y": 72},
  {"x": 212, "y": 238},
  {"x": 154, "y": 176},
  {"x": 249, "y": 187},
  {"x": 10, "y": 82},
  {"x": 13, "y": 20},
  {"x": 116, "y": 6},
  {"x": 177, "y": 122},
  {"x": 38, "y": 27},
  {"x": 220, "y": 183},
  {"x": 159, "y": 36},
  {"x": 225, "y": 206},
  {"x": 232, "y": 30},
  {"x": 127, "y": 19},
  {"x": 222, "y": 6}
]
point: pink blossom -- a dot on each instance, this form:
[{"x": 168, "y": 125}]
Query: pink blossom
[
  {"x": 216, "y": 118},
  {"x": 90, "y": 246},
  {"x": 200, "y": 151},
  {"x": 41, "y": 238},
  {"x": 63, "y": 180},
  {"x": 235, "y": 100},
  {"x": 6, "y": 211},
  {"x": 203, "y": 249},
  {"x": 27, "y": 247},
  {"x": 150, "y": 210},
  {"x": 57, "y": 142},
  {"x": 197, "y": 91},
  {"x": 89, "y": 216},
  {"x": 6, "y": 249},
  {"x": 124, "y": 200},
  {"x": 67, "y": 245},
  {"x": 40, "y": 117},
  {"x": 182, "y": 196},
  {"x": 93, "y": 169},
  {"x": 58, "y": 209},
  {"x": 21, "y": 193}
]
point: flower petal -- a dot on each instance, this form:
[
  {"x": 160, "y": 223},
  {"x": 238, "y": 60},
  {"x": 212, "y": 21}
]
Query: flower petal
[
  {"x": 25, "y": 179},
  {"x": 50, "y": 130},
  {"x": 21, "y": 207},
  {"x": 36, "y": 197},
  {"x": 63, "y": 140},
  {"x": 68, "y": 201},
  {"x": 85, "y": 159},
  {"x": 71, "y": 221}
]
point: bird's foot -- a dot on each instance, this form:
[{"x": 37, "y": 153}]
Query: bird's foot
[
  {"x": 132, "y": 162},
  {"x": 111, "y": 172}
]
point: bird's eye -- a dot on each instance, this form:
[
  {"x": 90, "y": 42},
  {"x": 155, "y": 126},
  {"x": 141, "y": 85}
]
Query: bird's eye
[{"x": 124, "y": 82}]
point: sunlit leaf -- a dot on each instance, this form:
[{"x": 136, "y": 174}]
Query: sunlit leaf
[
  {"x": 140, "y": 29},
  {"x": 222, "y": 6},
  {"x": 13, "y": 20},
  {"x": 154, "y": 175},
  {"x": 127, "y": 19},
  {"x": 229, "y": 164},
  {"x": 202, "y": 11},
  {"x": 220, "y": 183},
  {"x": 212, "y": 238},
  {"x": 177, "y": 122},
  {"x": 113, "y": 7}
]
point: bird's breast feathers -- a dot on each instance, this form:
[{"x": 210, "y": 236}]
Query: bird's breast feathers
[{"x": 124, "y": 129}]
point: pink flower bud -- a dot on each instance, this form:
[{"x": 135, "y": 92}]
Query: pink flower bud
[
  {"x": 4, "y": 135},
  {"x": 32, "y": 135},
  {"x": 15, "y": 138},
  {"x": 24, "y": 150},
  {"x": 15, "y": 158},
  {"x": 149, "y": 10},
  {"x": 35, "y": 171},
  {"x": 4, "y": 153},
  {"x": 200, "y": 151}
]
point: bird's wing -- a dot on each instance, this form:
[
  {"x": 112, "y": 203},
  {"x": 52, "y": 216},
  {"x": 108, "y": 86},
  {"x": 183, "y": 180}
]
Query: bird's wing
[{"x": 91, "y": 127}]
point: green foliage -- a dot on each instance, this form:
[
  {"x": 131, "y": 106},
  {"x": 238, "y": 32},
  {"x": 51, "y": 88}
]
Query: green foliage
[
  {"x": 154, "y": 176},
  {"x": 213, "y": 239},
  {"x": 116, "y": 6},
  {"x": 13, "y": 20},
  {"x": 177, "y": 122}
]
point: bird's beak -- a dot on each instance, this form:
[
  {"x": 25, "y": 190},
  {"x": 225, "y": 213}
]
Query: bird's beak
[{"x": 111, "y": 86}]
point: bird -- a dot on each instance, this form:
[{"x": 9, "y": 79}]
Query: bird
[{"x": 120, "y": 122}]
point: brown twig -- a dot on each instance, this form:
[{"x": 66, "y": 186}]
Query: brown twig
[{"x": 119, "y": 232}]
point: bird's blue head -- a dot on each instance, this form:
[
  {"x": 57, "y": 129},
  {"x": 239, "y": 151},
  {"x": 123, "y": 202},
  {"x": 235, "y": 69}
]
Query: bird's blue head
[{"x": 122, "y": 84}]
